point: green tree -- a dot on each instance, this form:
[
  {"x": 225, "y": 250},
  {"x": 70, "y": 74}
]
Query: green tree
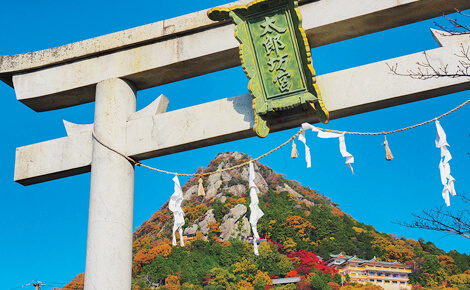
[
  {"x": 260, "y": 284},
  {"x": 431, "y": 264},
  {"x": 246, "y": 270},
  {"x": 319, "y": 283},
  {"x": 289, "y": 245},
  {"x": 159, "y": 269},
  {"x": 223, "y": 278}
]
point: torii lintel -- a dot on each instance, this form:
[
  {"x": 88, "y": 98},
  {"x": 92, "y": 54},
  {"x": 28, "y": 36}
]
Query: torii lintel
[
  {"x": 186, "y": 46},
  {"x": 71, "y": 155}
]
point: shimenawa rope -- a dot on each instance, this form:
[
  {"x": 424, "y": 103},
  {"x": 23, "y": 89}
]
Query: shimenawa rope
[{"x": 137, "y": 163}]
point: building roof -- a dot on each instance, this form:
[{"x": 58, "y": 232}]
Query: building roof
[
  {"x": 286, "y": 280},
  {"x": 340, "y": 255},
  {"x": 355, "y": 259}
]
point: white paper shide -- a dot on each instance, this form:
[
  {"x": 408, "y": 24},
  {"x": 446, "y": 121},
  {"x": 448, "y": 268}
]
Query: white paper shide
[
  {"x": 322, "y": 134},
  {"x": 444, "y": 167},
  {"x": 175, "y": 206},
  {"x": 256, "y": 212}
]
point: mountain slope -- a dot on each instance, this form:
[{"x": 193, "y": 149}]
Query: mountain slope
[
  {"x": 291, "y": 210},
  {"x": 298, "y": 220}
]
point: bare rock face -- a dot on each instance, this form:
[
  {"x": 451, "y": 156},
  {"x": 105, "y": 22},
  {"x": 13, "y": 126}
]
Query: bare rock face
[
  {"x": 212, "y": 188},
  {"x": 213, "y": 178},
  {"x": 189, "y": 231},
  {"x": 259, "y": 180},
  {"x": 238, "y": 189},
  {"x": 244, "y": 174},
  {"x": 192, "y": 190},
  {"x": 230, "y": 222},
  {"x": 297, "y": 195},
  {"x": 226, "y": 176},
  {"x": 237, "y": 155},
  {"x": 241, "y": 229},
  {"x": 245, "y": 228},
  {"x": 261, "y": 183},
  {"x": 204, "y": 223},
  {"x": 287, "y": 188},
  {"x": 308, "y": 202}
]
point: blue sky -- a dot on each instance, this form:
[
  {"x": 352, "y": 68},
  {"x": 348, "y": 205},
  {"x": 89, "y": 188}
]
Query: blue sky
[{"x": 44, "y": 226}]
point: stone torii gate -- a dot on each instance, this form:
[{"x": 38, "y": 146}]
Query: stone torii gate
[{"x": 111, "y": 69}]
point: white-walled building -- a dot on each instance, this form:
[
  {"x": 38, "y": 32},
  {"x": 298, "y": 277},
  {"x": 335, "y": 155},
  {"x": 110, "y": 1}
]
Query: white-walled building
[{"x": 389, "y": 275}]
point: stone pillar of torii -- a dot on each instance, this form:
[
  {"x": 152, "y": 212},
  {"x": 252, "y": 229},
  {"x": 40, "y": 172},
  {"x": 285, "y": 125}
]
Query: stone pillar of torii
[{"x": 111, "y": 69}]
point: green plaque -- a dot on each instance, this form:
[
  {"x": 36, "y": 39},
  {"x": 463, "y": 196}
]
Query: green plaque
[{"x": 276, "y": 57}]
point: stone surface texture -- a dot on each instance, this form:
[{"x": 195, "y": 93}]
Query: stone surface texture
[
  {"x": 153, "y": 136},
  {"x": 231, "y": 222},
  {"x": 206, "y": 219},
  {"x": 238, "y": 189},
  {"x": 444, "y": 38},
  {"x": 109, "y": 242},
  {"x": 203, "y": 47},
  {"x": 190, "y": 230},
  {"x": 192, "y": 190}
]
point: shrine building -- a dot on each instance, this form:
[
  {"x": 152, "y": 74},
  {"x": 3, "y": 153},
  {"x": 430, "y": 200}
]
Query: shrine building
[{"x": 389, "y": 275}]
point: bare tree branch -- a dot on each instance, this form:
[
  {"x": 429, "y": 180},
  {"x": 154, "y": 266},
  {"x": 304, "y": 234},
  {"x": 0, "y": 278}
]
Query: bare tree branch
[
  {"x": 455, "y": 26},
  {"x": 426, "y": 70},
  {"x": 442, "y": 220},
  {"x": 465, "y": 198}
]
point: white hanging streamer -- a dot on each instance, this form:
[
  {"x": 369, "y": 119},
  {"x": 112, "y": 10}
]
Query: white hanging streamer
[
  {"x": 444, "y": 167},
  {"x": 323, "y": 134},
  {"x": 256, "y": 212},
  {"x": 175, "y": 206}
]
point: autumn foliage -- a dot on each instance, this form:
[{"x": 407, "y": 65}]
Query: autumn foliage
[
  {"x": 301, "y": 225},
  {"x": 147, "y": 254},
  {"x": 305, "y": 261},
  {"x": 76, "y": 283}
]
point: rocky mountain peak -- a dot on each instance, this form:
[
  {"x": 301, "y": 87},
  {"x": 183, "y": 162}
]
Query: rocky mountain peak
[{"x": 225, "y": 206}]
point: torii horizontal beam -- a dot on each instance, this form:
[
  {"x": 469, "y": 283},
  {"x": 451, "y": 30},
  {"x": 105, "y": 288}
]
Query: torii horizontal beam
[
  {"x": 185, "y": 47},
  {"x": 152, "y": 136}
]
